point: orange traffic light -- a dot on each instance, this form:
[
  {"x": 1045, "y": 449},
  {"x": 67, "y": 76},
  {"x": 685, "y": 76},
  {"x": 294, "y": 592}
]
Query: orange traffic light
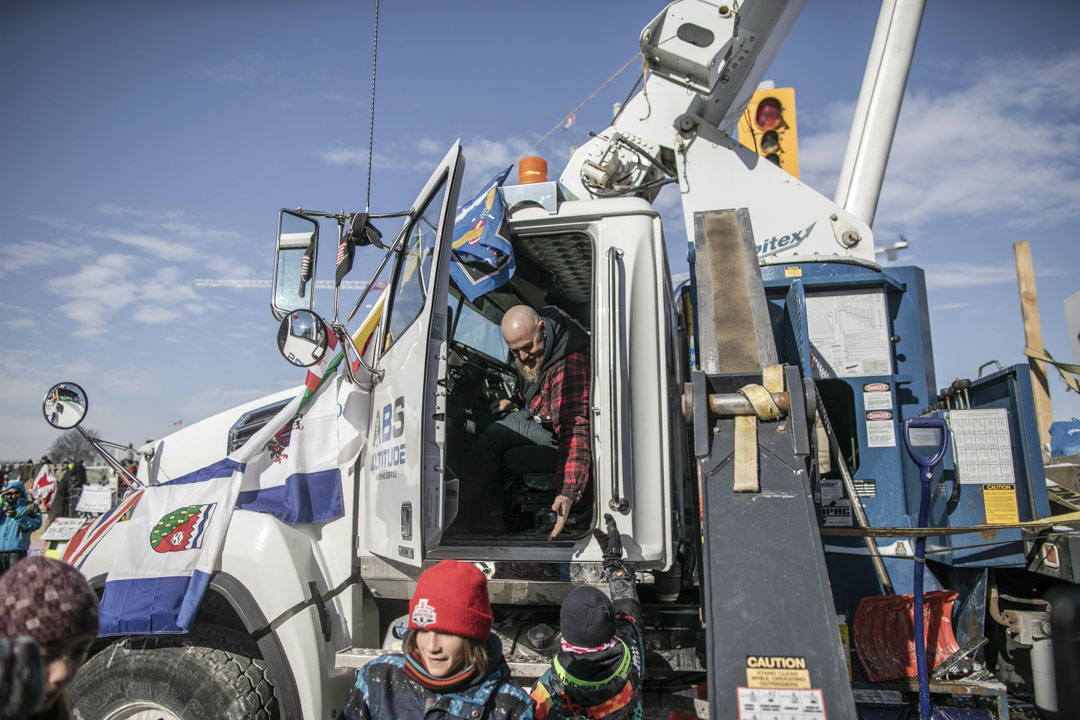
[{"x": 768, "y": 128}]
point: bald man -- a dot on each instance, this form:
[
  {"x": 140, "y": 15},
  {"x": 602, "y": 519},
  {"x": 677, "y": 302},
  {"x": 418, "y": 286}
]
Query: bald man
[{"x": 550, "y": 352}]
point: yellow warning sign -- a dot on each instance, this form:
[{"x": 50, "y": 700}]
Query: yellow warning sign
[
  {"x": 785, "y": 672},
  {"x": 1000, "y": 503},
  {"x": 845, "y": 640},
  {"x": 793, "y": 271}
]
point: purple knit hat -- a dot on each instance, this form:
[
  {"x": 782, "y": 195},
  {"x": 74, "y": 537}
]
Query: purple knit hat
[{"x": 47, "y": 600}]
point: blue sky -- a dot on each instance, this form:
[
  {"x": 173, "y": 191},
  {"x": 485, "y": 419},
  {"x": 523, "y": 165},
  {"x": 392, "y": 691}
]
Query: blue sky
[{"x": 145, "y": 144}]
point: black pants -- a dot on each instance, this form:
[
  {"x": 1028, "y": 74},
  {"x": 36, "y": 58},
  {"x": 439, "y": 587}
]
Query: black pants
[{"x": 9, "y": 558}]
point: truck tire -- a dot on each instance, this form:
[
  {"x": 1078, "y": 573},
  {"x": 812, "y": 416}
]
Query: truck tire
[{"x": 212, "y": 672}]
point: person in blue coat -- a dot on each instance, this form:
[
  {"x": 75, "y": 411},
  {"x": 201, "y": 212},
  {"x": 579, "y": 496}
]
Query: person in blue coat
[
  {"x": 452, "y": 667},
  {"x": 19, "y": 518}
]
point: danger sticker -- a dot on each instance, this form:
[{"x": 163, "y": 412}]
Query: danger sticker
[
  {"x": 786, "y": 672},
  {"x": 780, "y": 703},
  {"x": 999, "y": 500},
  {"x": 876, "y": 396},
  {"x": 879, "y": 429}
]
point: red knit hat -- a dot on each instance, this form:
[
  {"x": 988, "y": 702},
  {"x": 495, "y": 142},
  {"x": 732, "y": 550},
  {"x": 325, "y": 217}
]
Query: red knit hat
[{"x": 452, "y": 597}]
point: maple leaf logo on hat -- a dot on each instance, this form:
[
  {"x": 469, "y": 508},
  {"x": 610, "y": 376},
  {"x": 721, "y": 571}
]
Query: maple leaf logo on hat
[{"x": 423, "y": 614}]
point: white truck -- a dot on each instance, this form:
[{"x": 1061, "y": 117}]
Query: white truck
[{"x": 735, "y": 582}]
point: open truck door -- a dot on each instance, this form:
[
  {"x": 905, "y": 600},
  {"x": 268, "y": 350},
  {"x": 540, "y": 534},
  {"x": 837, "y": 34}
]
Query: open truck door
[{"x": 410, "y": 502}]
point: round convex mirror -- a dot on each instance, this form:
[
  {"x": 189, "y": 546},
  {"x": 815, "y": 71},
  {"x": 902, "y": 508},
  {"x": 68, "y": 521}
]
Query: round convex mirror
[
  {"x": 302, "y": 338},
  {"x": 64, "y": 406}
]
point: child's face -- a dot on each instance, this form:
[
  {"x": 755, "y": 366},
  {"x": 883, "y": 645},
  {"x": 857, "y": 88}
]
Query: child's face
[
  {"x": 443, "y": 654},
  {"x": 62, "y": 659}
]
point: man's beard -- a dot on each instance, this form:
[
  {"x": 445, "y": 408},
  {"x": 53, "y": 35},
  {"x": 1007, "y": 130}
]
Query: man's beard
[{"x": 529, "y": 369}]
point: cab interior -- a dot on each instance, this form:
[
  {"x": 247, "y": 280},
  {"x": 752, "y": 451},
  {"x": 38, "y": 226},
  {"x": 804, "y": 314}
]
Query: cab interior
[{"x": 551, "y": 269}]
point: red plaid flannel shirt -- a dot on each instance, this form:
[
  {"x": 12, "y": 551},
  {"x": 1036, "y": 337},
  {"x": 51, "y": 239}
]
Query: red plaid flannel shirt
[{"x": 563, "y": 404}]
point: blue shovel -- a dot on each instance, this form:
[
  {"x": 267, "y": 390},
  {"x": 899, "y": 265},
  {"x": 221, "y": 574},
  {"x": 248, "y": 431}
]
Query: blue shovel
[{"x": 926, "y": 474}]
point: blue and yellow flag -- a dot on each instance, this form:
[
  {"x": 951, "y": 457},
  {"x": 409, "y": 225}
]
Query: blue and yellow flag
[{"x": 481, "y": 258}]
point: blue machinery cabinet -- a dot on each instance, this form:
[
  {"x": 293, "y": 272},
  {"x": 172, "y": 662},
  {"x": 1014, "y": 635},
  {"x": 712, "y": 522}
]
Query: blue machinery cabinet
[{"x": 863, "y": 333}]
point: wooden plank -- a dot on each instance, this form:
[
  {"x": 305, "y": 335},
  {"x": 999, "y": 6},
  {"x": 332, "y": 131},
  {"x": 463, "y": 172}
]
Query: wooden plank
[{"x": 1029, "y": 307}]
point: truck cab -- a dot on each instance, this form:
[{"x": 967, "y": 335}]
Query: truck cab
[{"x": 604, "y": 264}]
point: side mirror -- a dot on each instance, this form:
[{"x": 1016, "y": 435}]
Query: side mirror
[
  {"x": 64, "y": 406},
  {"x": 294, "y": 264},
  {"x": 303, "y": 338}
]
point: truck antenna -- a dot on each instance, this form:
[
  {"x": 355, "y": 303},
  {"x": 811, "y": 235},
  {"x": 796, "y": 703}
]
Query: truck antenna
[{"x": 371, "y": 129}]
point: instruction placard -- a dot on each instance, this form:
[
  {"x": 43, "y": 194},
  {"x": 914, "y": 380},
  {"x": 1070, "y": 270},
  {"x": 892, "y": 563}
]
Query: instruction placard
[
  {"x": 981, "y": 446},
  {"x": 780, "y": 704},
  {"x": 1000, "y": 503},
  {"x": 850, "y": 331}
]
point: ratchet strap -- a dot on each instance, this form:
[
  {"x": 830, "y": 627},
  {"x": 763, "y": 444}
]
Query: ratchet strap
[
  {"x": 1068, "y": 372},
  {"x": 746, "y": 446},
  {"x": 1064, "y": 519}
]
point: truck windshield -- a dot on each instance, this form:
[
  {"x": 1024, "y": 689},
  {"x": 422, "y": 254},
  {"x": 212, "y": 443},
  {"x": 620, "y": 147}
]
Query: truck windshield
[{"x": 479, "y": 333}]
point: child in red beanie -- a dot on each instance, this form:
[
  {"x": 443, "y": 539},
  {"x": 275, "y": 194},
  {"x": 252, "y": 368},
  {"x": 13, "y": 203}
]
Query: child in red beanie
[
  {"x": 52, "y": 603},
  {"x": 452, "y": 667}
]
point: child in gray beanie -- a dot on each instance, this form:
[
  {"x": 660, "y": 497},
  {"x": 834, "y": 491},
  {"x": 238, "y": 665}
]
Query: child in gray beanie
[{"x": 52, "y": 603}]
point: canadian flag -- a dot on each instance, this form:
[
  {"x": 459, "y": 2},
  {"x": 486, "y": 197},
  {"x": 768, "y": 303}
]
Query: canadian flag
[{"x": 43, "y": 486}]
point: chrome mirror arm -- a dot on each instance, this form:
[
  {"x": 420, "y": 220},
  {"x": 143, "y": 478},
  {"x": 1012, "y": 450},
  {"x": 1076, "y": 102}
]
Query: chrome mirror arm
[
  {"x": 131, "y": 479},
  {"x": 346, "y": 341}
]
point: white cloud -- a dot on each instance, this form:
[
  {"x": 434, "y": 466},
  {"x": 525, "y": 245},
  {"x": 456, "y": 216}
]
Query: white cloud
[
  {"x": 29, "y": 253},
  {"x": 940, "y": 276},
  {"x": 157, "y": 247},
  {"x": 96, "y": 291},
  {"x": 485, "y": 156},
  {"x": 99, "y": 292},
  {"x": 119, "y": 211},
  {"x": 430, "y": 146},
  {"x": 249, "y": 67},
  {"x": 341, "y": 155},
  {"x": 984, "y": 150}
]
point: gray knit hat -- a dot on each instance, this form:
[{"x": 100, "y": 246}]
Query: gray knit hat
[{"x": 47, "y": 600}]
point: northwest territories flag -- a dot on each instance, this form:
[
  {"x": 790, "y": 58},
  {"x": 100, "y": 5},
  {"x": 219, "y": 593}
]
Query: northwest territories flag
[
  {"x": 481, "y": 258},
  {"x": 289, "y": 469}
]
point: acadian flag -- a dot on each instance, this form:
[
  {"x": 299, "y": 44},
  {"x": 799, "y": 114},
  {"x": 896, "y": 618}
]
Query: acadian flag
[
  {"x": 289, "y": 468},
  {"x": 482, "y": 258}
]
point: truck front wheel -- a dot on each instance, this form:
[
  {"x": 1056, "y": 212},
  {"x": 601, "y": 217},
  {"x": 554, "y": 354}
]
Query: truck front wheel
[{"x": 212, "y": 672}]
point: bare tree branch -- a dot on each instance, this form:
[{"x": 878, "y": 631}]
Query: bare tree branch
[{"x": 72, "y": 446}]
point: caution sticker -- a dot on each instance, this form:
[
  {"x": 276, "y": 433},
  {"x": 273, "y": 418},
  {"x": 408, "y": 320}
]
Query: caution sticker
[
  {"x": 777, "y": 671},
  {"x": 777, "y": 703},
  {"x": 1000, "y": 502}
]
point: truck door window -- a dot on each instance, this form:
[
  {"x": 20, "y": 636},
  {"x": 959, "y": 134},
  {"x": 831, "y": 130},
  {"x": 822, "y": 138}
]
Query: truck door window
[{"x": 414, "y": 269}]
